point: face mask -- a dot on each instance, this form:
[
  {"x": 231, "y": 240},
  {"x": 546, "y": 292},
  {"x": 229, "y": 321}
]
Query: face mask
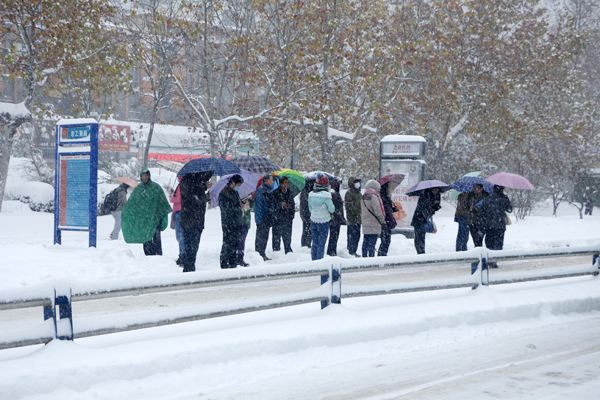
[
  {"x": 237, "y": 188},
  {"x": 357, "y": 185}
]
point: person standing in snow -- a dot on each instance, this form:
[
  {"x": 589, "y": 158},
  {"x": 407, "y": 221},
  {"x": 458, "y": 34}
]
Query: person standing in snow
[
  {"x": 372, "y": 217},
  {"x": 589, "y": 205},
  {"x": 232, "y": 221},
  {"x": 494, "y": 209},
  {"x": 176, "y": 222},
  {"x": 305, "y": 213},
  {"x": 461, "y": 216},
  {"x": 389, "y": 208},
  {"x": 193, "y": 211},
  {"x": 429, "y": 202},
  {"x": 146, "y": 214},
  {"x": 264, "y": 208},
  {"x": 476, "y": 217},
  {"x": 283, "y": 219},
  {"x": 337, "y": 219},
  {"x": 121, "y": 192},
  {"x": 321, "y": 207},
  {"x": 352, "y": 201},
  {"x": 247, "y": 218}
]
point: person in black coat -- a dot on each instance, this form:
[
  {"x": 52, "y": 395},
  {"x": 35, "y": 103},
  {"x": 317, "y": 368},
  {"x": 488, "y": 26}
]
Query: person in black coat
[
  {"x": 193, "y": 210},
  {"x": 475, "y": 200},
  {"x": 232, "y": 221},
  {"x": 390, "y": 222},
  {"x": 429, "y": 202},
  {"x": 305, "y": 214},
  {"x": 337, "y": 219},
  {"x": 494, "y": 209},
  {"x": 283, "y": 219}
]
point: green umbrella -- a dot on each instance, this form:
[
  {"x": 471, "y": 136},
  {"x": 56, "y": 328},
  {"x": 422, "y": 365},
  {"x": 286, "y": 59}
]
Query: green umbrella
[{"x": 295, "y": 178}]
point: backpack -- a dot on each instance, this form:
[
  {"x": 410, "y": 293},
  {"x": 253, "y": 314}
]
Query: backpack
[{"x": 111, "y": 202}]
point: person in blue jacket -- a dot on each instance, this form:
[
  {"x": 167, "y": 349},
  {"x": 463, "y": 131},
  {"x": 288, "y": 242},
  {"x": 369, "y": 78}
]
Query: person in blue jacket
[
  {"x": 321, "y": 208},
  {"x": 264, "y": 210}
]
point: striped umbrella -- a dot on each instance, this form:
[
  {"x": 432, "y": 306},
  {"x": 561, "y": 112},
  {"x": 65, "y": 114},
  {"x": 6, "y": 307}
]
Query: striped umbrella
[{"x": 259, "y": 165}]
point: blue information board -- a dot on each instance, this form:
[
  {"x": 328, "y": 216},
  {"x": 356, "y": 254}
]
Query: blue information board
[{"x": 76, "y": 178}]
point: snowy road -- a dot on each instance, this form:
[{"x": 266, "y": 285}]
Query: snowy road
[{"x": 525, "y": 341}]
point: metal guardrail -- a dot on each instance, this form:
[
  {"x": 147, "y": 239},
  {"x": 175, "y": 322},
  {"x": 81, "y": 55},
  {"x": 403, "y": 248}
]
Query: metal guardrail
[{"x": 58, "y": 306}]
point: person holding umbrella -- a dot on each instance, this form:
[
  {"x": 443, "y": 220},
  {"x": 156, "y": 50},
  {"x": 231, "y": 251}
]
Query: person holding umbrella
[
  {"x": 352, "y": 201},
  {"x": 232, "y": 221},
  {"x": 321, "y": 207},
  {"x": 193, "y": 209},
  {"x": 283, "y": 218},
  {"x": 264, "y": 208},
  {"x": 476, "y": 218},
  {"x": 429, "y": 202},
  {"x": 494, "y": 209},
  {"x": 146, "y": 214}
]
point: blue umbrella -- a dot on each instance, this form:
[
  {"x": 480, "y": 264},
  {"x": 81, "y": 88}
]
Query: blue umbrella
[
  {"x": 247, "y": 188},
  {"x": 424, "y": 185},
  {"x": 218, "y": 166},
  {"x": 466, "y": 183}
]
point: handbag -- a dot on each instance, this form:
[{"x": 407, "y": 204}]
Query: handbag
[{"x": 429, "y": 226}]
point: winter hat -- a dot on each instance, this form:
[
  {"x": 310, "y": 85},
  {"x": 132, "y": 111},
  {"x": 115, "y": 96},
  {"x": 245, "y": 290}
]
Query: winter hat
[
  {"x": 323, "y": 180},
  {"x": 145, "y": 171},
  {"x": 237, "y": 178}
]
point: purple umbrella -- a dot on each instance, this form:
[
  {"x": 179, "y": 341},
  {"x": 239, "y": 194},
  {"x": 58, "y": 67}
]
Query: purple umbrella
[
  {"x": 423, "y": 185},
  {"x": 247, "y": 188},
  {"x": 511, "y": 181}
]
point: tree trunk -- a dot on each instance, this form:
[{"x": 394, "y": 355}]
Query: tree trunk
[
  {"x": 6, "y": 144},
  {"x": 149, "y": 138}
]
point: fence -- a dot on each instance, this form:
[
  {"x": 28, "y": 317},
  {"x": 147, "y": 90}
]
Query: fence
[{"x": 57, "y": 305}]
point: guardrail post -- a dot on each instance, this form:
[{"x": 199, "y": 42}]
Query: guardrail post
[
  {"x": 485, "y": 270},
  {"x": 60, "y": 310},
  {"x": 596, "y": 262},
  {"x": 324, "y": 280},
  {"x": 336, "y": 284}
]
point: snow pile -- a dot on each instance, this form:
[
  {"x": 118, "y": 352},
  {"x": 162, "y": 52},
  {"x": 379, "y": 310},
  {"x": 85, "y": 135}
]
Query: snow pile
[{"x": 22, "y": 186}]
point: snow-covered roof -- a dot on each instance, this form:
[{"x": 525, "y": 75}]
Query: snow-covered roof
[
  {"x": 403, "y": 138},
  {"x": 76, "y": 121},
  {"x": 14, "y": 109}
]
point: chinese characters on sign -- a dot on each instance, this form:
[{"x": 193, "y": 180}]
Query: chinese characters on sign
[
  {"x": 114, "y": 137},
  {"x": 74, "y": 133}
]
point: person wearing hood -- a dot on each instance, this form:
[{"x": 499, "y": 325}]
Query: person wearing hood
[
  {"x": 285, "y": 210},
  {"x": 352, "y": 201},
  {"x": 494, "y": 209},
  {"x": 264, "y": 208},
  {"x": 372, "y": 217},
  {"x": 337, "y": 219},
  {"x": 321, "y": 207},
  {"x": 194, "y": 197},
  {"x": 305, "y": 213},
  {"x": 232, "y": 221},
  {"x": 390, "y": 222},
  {"x": 146, "y": 214},
  {"x": 429, "y": 202}
]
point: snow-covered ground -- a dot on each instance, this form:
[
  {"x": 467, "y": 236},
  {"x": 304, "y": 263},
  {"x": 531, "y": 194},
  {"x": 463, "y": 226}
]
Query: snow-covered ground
[{"x": 524, "y": 341}]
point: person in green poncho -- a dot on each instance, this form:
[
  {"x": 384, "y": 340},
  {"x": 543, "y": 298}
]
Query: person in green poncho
[{"x": 146, "y": 214}]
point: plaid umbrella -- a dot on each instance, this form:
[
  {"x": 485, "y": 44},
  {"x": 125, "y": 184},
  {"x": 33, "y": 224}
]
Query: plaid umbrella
[
  {"x": 217, "y": 166},
  {"x": 259, "y": 165}
]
